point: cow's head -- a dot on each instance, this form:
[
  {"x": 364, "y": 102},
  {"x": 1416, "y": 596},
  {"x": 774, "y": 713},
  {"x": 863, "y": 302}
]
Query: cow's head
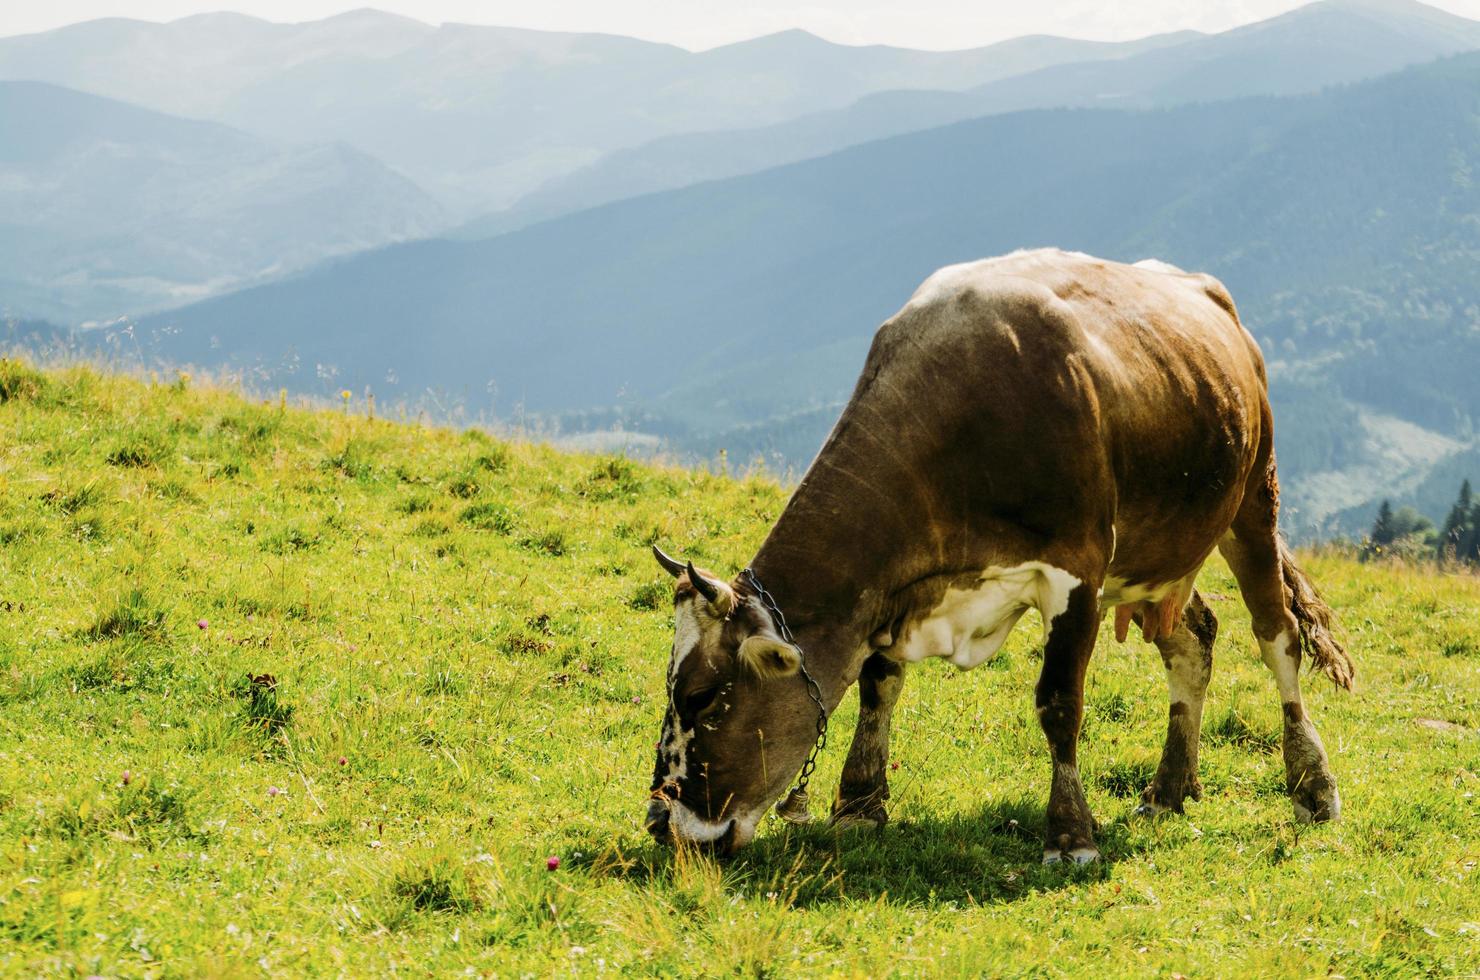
[{"x": 740, "y": 720}]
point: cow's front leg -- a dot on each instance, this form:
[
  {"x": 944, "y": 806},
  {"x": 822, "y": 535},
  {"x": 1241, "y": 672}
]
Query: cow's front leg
[
  {"x": 865, "y": 783},
  {"x": 1060, "y": 696}
]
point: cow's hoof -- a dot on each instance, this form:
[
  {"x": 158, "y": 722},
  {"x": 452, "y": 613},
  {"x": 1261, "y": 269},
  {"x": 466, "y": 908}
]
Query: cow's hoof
[
  {"x": 867, "y": 811},
  {"x": 1151, "y": 806},
  {"x": 869, "y": 820},
  {"x": 1158, "y": 798},
  {"x": 1086, "y": 854},
  {"x": 860, "y": 805}
]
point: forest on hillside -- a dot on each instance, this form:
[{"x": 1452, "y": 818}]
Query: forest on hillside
[{"x": 1406, "y": 533}]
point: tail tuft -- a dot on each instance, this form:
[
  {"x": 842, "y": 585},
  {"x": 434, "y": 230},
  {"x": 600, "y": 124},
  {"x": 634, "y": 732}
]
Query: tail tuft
[{"x": 1315, "y": 619}]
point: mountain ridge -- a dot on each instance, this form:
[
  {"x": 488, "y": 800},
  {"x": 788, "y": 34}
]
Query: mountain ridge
[
  {"x": 198, "y": 205},
  {"x": 1235, "y": 63},
  {"x": 756, "y": 296},
  {"x": 478, "y": 115}
]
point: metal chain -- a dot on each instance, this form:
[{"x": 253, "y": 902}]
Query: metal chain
[{"x": 815, "y": 691}]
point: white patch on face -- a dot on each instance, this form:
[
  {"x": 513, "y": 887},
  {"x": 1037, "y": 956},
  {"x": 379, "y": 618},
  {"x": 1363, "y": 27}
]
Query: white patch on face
[
  {"x": 970, "y": 625},
  {"x": 686, "y": 636},
  {"x": 689, "y": 826}
]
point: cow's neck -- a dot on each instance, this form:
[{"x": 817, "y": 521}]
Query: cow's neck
[{"x": 832, "y": 563}]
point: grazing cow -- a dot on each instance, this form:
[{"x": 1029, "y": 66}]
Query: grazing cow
[{"x": 1042, "y": 430}]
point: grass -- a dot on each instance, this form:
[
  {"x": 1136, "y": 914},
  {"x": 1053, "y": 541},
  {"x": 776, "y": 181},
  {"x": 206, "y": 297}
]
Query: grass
[{"x": 309, "y": 693}]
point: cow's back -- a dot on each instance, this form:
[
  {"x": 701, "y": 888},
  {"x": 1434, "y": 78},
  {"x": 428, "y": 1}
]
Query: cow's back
[{"x": 1049, "y": 395}]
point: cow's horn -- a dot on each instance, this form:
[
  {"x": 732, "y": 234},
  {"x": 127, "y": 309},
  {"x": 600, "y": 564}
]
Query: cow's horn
[
  {"x": 706, "y": 588},
  {"x": 670, "y": 565}
]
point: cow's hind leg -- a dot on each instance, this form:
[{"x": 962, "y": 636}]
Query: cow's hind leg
[
  {"x": 1188, "y": 655},
  {"x": 1254, "y": 553},
  {"x": 1060, "y": 699},
  {"x": 865, "y": 783}
]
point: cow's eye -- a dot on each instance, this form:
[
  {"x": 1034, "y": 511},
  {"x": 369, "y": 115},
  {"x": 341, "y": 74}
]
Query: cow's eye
[{"x": 695, "y": 702}]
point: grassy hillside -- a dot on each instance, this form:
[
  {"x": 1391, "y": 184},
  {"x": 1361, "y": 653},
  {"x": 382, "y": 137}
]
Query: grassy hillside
[{"x": 465, "y": 641}]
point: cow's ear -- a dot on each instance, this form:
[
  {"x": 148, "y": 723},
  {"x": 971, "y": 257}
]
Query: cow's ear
[{"x": 769, "y": 657}]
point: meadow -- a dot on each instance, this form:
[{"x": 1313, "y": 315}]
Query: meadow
[{"x": 299, "y": 691}]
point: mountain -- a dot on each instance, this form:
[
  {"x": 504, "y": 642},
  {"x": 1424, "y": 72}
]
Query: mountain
[
  {"x": 1342, "y": 222},
  {"x": 1325, "y": 43},
  {"x": 106, "y": 208},
  {"x": 482, "y": 115}
]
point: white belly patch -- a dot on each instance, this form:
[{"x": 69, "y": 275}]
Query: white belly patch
[{"x": 969, "y": 625}]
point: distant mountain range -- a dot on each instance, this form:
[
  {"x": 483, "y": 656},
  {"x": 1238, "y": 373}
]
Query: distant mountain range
[
  {"x": 696, "y": 247},
  {"x": 396, "y": 129},
  {"x": 106, "y": 208},
  {"x": 1325, "y": 43},
  {"x": 480, "y": 116},
  {"x": 1343, "y": 223}
]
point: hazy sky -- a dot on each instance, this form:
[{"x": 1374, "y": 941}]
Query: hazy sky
[{"x": 704, "y": 23}]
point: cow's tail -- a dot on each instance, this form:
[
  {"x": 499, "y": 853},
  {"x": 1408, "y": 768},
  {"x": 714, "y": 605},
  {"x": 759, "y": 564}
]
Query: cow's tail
[{"x": 1315, "y": 620}]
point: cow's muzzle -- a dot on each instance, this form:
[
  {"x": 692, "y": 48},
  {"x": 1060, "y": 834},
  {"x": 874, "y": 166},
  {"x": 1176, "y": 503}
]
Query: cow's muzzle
[{"x": 659, "y": 823}]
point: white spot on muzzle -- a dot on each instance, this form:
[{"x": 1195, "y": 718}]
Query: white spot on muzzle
[{"x": 687, "y": 825}]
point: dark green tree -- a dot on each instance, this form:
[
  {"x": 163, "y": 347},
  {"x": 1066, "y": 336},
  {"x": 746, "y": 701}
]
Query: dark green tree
[
  {"x": 1459, "y": 526},
  {"x": 1382, "y": 532},
  {"x": 1407, "y": 524},
  {"x": 1469, "y": 539}
]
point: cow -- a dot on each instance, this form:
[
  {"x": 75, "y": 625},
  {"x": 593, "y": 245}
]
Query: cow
[{"x": 1041, "y": 430}]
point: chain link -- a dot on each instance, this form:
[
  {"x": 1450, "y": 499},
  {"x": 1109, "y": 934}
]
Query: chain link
[{"x": 813, "y": 689}]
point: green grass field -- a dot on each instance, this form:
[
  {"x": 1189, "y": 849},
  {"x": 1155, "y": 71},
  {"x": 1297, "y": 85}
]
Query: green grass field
[{"x": 466, "y": 642}]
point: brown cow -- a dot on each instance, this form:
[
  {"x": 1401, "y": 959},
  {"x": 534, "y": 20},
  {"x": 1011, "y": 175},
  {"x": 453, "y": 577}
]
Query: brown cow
[{"x": 1042, "y": 430}]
